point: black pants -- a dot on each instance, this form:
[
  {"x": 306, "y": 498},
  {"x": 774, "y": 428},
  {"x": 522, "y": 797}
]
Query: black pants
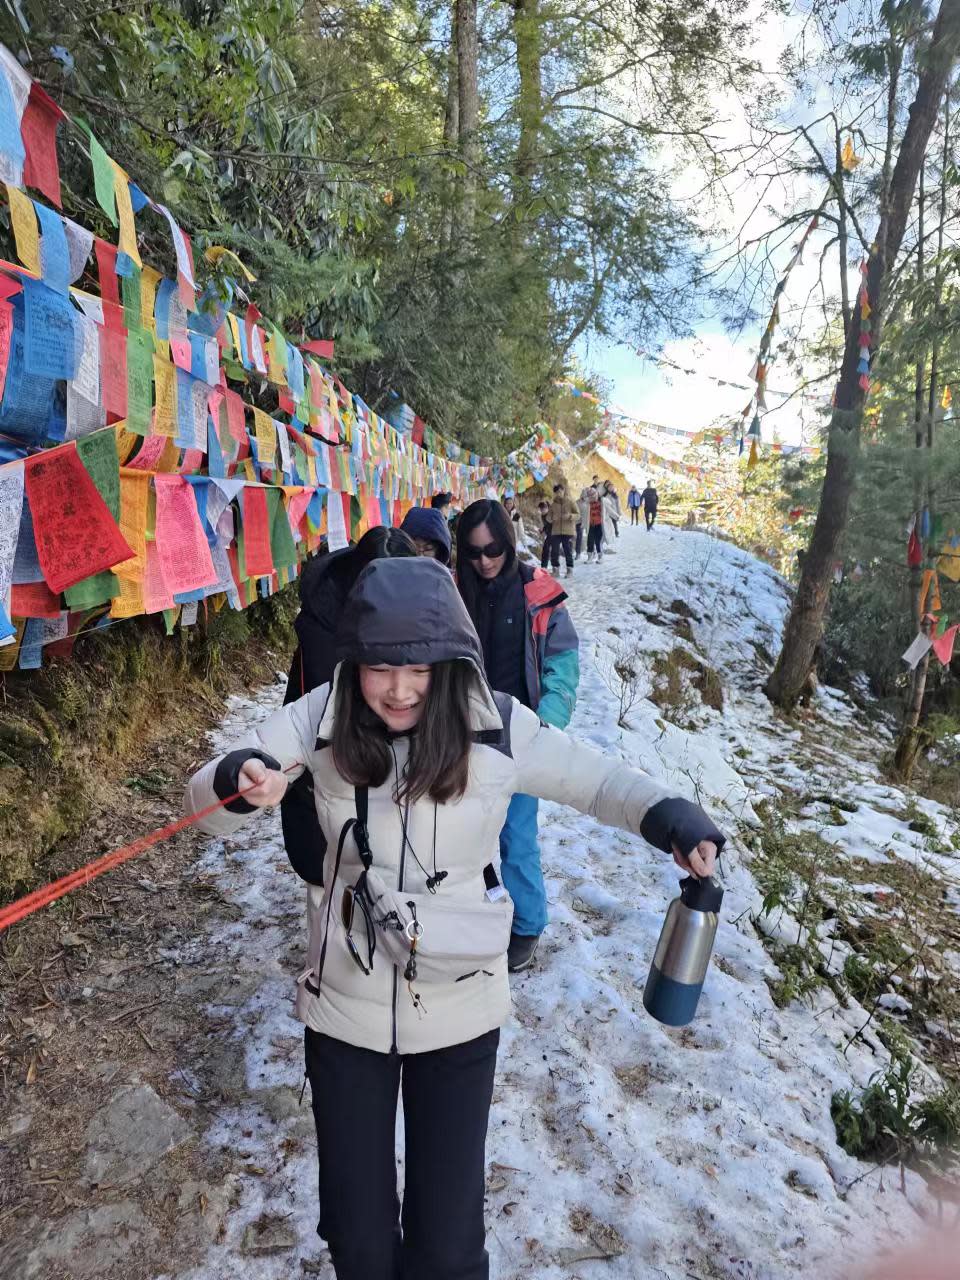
[
  {"x": 564, "y": 540},
  {"x": 545, "y": 554},
  {"x": 650, "y": 515},
  {"x": 579, "y": 538},
  {"x": 634, "y": 515},
  {"x": 595, "y": 539},
  {"x": 446, "y": 1102}
]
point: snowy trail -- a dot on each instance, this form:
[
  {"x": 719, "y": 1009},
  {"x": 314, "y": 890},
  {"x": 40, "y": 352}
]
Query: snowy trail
[{"x": 617, "y": 1148}]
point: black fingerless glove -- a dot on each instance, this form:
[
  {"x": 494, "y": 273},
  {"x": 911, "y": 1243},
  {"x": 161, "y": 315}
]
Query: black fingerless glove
[{"x": 226, "y": 778}]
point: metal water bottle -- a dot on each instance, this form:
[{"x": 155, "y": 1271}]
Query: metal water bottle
[{"x": 683, "y": 952}]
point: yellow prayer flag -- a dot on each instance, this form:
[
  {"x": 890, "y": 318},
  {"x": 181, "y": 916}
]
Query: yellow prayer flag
[
  {"x": 125, "y": 441},
  {"x": 276, "y": 360},
  {"x": 149, "y": 279},
  {"x": 234, "y": 333},
  {"x": 218, "y": 251},
  {"x": 128, "y": 228},
  {"x": 848, "y": 158},
  {"x": 9, "y": 653},
  {"x": 134, "y": 492},
  {"x": 947, "y": 399},
  {"x": 754, "y": 455},
  {"x": 165, "y": 413},
  {"x": 25, "y": 230},
  {"x": 248, "y": 470},
  {"x": 266, "y": 437}
]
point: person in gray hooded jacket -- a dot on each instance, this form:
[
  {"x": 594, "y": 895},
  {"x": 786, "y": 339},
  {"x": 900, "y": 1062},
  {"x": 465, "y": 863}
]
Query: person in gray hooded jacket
[{"x": 414, "y": 761}]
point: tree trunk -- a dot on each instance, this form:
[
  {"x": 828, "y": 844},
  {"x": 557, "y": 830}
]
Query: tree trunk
[
  {"x": 911, "y": 738},
  {"x": 468, "y": 107},
  {"x": 526, "y": 31},
  {"x": 451, "y": 125},
  {"x": 805, "y": 623}
]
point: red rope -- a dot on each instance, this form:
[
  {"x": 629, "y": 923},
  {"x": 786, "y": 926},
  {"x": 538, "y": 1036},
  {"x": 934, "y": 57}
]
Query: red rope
[{"x": 48, "y": 893}]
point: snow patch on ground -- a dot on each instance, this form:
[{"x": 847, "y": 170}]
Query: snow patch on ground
[{"x": 618, "y": 1148}]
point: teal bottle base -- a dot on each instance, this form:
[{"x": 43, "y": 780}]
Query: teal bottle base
[{"x": 672, "y": 1003}]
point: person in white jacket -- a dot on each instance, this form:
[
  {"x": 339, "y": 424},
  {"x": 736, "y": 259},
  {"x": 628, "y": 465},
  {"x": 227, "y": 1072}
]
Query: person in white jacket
[
  {"x": 414, "y": 761},
  {"x": 611, "y": 512}
]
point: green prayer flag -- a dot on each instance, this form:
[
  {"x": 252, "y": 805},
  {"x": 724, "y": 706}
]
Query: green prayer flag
[
  {"x": 89, "y": 592},
  {"x": 98, "y": 453},
  {"x": 103, "y": 179},
  {"x": 282, "y": 546},
  {"x": 130, "y": 286},
  {"x": 139, "y": 382}
]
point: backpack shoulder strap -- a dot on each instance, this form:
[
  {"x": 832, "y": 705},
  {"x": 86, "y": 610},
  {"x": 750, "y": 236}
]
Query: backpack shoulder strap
[{"x": 360, "y": 831}]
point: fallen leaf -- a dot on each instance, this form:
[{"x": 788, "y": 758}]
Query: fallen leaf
[
  {"x": 32, "y": 1071},
  {"x": 508, "y": 1208}
]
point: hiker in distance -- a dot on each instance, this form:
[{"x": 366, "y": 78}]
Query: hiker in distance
[
  {"x": 564, "y": 514},
  {"x": 543, "y": 511},
  {"x": 615, "y": 512},
  {"x": 583, "y": 520},
  {"x": 430, "y": 532},
  {"x": 595, "y": 526},
  {"x": 609, "y": 507},
  {"x": 405, "y": 988},
  {"x": 633, "y": 503},
  {"x": 530, "y": 651},
  {"x": 513, "y": 511},
  {"x": 651, "y": 500}
]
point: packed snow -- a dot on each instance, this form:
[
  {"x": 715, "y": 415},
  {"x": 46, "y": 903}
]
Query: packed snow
[{"x": 619, "y": 1148}]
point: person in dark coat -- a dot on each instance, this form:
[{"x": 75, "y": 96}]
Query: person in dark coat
[
  {"x": 651, "y": 500},
  {"x": 543, "y": 509},
  {"x": 324, "y": 586},
  {"x": 430, "y": 532},
  {"x": 531, "y": 651}
]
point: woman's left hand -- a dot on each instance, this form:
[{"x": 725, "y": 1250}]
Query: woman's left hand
[{"x": 701, "y": 860}]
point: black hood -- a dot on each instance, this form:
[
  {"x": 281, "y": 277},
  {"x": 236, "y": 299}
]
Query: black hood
[{"x": 405, "y": 612}]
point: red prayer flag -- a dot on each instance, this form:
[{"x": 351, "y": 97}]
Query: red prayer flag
[
  {"x": 38, "y": 129},
  {"x": 113, "y": 372},
  {"x": 34, "y": 600},
  {"x": 75, "y": 533},
  {"x": 6, "y": 329},
  {"x": 914, "y": 550},
  {"x": 256, "y": 533},
  {"x": 942, "y": 644},
  {"x": 113, "y": 317},
  {"x": 185, "y": 558},
  {"x": 322, "y": 347}
]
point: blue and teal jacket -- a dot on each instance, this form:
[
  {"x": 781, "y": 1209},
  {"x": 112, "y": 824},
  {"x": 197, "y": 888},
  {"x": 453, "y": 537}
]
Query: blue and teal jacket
[{"x": 552, "y": 649}]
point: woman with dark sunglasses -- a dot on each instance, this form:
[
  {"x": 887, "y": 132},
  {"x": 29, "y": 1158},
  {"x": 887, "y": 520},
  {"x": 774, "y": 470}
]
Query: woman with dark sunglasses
[
  {"x": 414, "y": 761},
  {"x": 531, "y": 651}
]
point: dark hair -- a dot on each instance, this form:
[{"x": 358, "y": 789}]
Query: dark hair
[
  {"x": 558, "y": 487},
  {"x": 497, "y": 518},
  {"x": 441, "y": 500},
  {"x": 439, "y": 747},
  {"x": 382, "y": 541}
]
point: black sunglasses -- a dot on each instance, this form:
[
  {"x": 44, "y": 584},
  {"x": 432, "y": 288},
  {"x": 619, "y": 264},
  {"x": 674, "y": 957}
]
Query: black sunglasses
[
  {"x": 490, "y": 551},
  {"x": 353, "y": 898}
]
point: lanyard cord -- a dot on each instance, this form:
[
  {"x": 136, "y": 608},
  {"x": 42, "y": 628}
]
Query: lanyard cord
[{"x": 438, "y": 876}]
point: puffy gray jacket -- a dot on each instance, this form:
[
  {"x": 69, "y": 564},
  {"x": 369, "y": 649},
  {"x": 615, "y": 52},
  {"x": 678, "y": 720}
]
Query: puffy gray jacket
[{"x": 512, "y": 752}]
